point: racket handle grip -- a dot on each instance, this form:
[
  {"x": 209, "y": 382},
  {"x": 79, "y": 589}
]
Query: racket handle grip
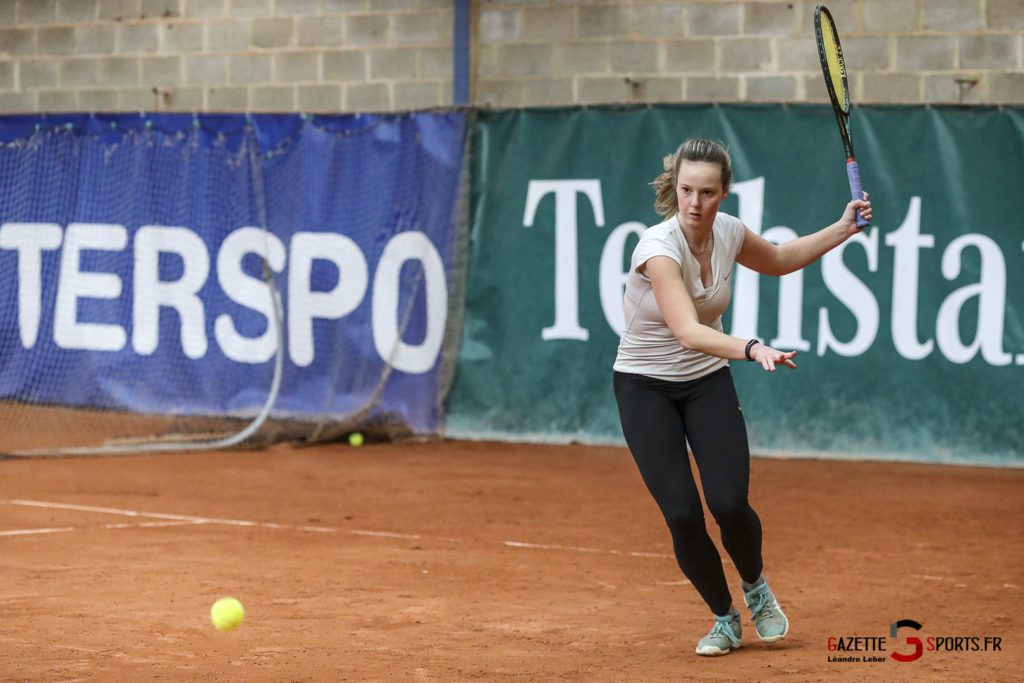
[{"x": 853, "y": 172}]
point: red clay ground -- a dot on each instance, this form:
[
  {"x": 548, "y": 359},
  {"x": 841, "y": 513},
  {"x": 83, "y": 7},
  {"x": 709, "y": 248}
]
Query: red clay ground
[{"x": 455, "y": 561}]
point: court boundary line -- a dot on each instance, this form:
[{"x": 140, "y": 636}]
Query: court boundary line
[{"x": 170, "y": 519}]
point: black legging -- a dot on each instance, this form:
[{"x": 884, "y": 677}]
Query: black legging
[{"x": 658, "y": 417}]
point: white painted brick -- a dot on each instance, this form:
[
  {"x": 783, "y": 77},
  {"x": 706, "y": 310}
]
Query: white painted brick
[
  {"x": 771, "y": 18},
  {"x": 580, "y": 58},
  {"x": 160, "y": 70},
  {"x": 663, "y": 89},
  {"x": 887, "y": 16},
  {"x": 797, "y": 54},
  {"x": 205, "y": 69},
  {"x": 392, "y": 64},
  {"x": 36, "y": 12},
  {"x": 34, "y": 74},
  {"x": 272, "y": 98},
  {"x": 76, "y": 72},
  {"x": 297, "y": 7},
  {"x": 57, "y": 100},
  {"x": 249, "y": 8},
  {"x": 413, "y": 96},
  {"x": 229, "y": 35},
  {"x": 90, "y": 39},
  {"x": 526, "y": 59},
  {"x": 499, "y": 92},
  {"x": 97, "y": 100},
  {"x": 344, "y": 65},
  {"x": 1006, "y": 88},
  {"x": 925, "y": 53},
  {"x": 694, "y": 55},
  {"x": 17, "y": 41},
  {"x": 186, "y": 100},
  {"x": 634, "y": 57},
  {"x": 951, "y": 15},
  {"x": 771, "y": 88},
  {"x": 137, "y": 38},
  {"x": 162, "y": 9},
  {"x": 713, "y": 19},
  {"x": 995, "y": 52},
  {"x": 68, "y": 11},
  {"x": 1004, "y": 15},
  {"x": 249, "y": 69},
  {"x": 891, "y": 87},
  {"x": 367, "y": 97},
  {"x": 712, "y": 88},
  {"x": 497, "y": 27},
  {"x": 60, "y": 40},
  {"x": 547, "y": 91},
  {"x": 422, "y": 28},
  {"x": 603, "y": 22},
  {"x": 18, "y": 102},
  {"x": 205, "y": 9},
  {"x": 435, "y": 62},
  {"x": 867, "y": 53},
  {"x": 118, "y": 71},
  {"x": 656, "y": 21},
  {"x": 233, "y": 98},
  {"x": 366, "y": 30},
  {"x": 137, "y": 99},
  {"x": 271, "y": 33},
  {"x": 547, "y": 24},
  {"x": 319, "y": 98},
  {"x": 177, "y": 37},
  {"x": 745, "y": 54},
  {"x": 297, "y": 67},
  {"x": 119, "y": 10},
  {"x": 594, "y": 90},
  {"x": 319, "y": 31}
]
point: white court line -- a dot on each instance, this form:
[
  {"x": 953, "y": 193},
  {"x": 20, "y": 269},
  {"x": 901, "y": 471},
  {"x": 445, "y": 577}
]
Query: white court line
[
  {"x": 29, "y": 532},
  {"x": 185, "y": 520},
  {"x": 64, "y": 529},
  {"x": 191, "y": 519},
  {"x": 578, "y": 549},
  {"x": 386, "y": 534},
  {"x": 395, "y": 534}
]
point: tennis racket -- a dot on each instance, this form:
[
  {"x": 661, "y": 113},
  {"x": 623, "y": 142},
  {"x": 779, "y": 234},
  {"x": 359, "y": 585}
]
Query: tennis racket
[{"x": 833, "y": 66}]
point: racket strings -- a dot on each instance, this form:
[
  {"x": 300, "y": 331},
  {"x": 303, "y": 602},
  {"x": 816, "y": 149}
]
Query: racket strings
[{"x": 836, "y": 64}]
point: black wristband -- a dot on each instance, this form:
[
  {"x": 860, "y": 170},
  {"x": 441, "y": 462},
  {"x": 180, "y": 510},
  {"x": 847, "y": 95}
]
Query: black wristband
[{"x": 750, "y": 345}]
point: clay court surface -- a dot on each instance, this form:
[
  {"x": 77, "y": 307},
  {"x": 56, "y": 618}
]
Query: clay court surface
[{"x": 455, "y": 561}]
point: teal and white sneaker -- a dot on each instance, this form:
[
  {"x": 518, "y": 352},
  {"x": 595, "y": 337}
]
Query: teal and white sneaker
[
  {"x": 770, "y": 622},
  {"x": 724, "y": 637}
]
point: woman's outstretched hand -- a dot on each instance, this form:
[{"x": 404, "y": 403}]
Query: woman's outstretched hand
[{"x": 769, "y": 357}]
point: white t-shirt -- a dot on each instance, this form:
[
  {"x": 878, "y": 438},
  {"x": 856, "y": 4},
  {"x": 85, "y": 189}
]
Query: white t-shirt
[{"x": 647, "y": 346}]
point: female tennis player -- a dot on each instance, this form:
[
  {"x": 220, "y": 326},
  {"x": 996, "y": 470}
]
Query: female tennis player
[{"x": 672, "y": 380}]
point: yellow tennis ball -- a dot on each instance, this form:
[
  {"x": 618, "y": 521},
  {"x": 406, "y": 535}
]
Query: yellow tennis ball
[
  {"x": 355, "y": 439},
  {"x": 227, "y": 613}
]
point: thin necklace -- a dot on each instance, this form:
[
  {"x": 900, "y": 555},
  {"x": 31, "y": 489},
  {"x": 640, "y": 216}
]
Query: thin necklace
[{"x": 707, "y": 246}]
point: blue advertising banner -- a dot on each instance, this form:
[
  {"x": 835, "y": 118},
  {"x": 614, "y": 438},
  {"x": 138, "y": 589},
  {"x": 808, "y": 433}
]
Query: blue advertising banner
[{"x": 134, "y": 251}]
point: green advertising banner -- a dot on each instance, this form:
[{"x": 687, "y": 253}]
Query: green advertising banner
[{"x": 910, "y": 336}]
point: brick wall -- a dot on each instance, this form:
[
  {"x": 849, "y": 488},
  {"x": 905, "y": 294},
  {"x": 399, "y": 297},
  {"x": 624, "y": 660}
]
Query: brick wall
[
  {"x": 542, "y": 52},
  {"x": 376, "y": 55},
  {"x": 225, "y": 55}
]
